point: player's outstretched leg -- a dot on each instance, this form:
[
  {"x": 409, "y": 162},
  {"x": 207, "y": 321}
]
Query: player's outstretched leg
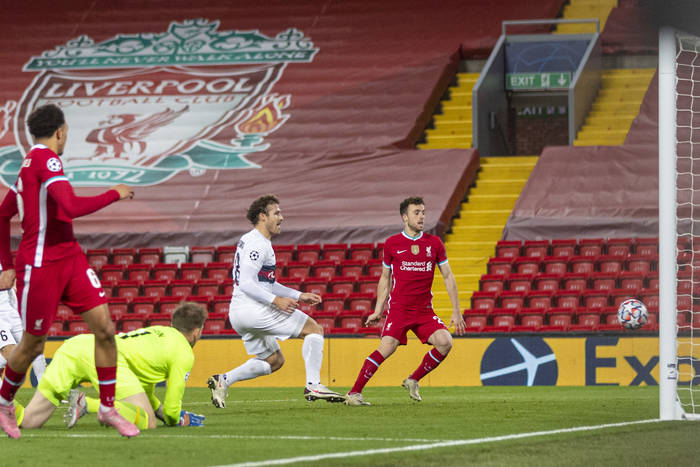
[
  {"x": 77, "y": 407},
  {"x": 112, "y": 418},
  {"x": 412, "y": 386},
  {"x": 317, "y": 391},
  {"x": 219, "y": 391},
  {"x": 8, "y": 421}
]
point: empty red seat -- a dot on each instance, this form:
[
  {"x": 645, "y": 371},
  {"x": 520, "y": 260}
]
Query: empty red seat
[
  {"x": 144, "y": 305},
  {"x": 367, "y": 284},
  {"x": 492, "y": 283},
  {"x": 78, "y": 327},
  {"x": 63, "y": 312},
  {"x": 157, "y": 319},
  {"x": 569, "y": 299},
  {"x": 504, "y": 321},
  {"x": 563, "y": 247},
  {"x": 360, "y": 302},
  {"x": 333, "y": 303},
  {"x": 369, "y": 331},
  {"x": 299, "y": 269},
  {"x": 131, "y": 324},
  {"x": 351, "y": 268},
  {"x": 555, "y": 264},
  {"x": 508, "y": 248},
  {"x": 537, "y": 248},
  {"x": 620, "y": 295},
  {"x": 641, "y": 263},
  {"x": 474, "y": 322},
  {"x": 283, "y": 254},
  {"x": 512, "y": 300},
  {"x": 374, "y": 267},
  {"x": 118, "y": 307},
  {"x": 227, "y": 287},
  {"x": 651, "y": 300},
  {"x": 575, "y": 281},
  {"x": 503, "y": 266},
  {"x": 123, "y": 256},
  {"x": 334, "y": 252},
  {"x": 202, "y": 254},
  {"x": 317, "y": 285},
  {"x": 529, "y": 323},
  {"x": 155, "y": 288},
  {"x": 646, "y": 246},
  {"x": 652, "y": 280},
  {"x": 113, "y": 272},
  {"x": 225, "y": 253},
  {"x": 540, "y": 299},
  {"x": 631, "y": 280},
  {"x": 167, "y": 305},
  {"x": 604, "y": 281},
  {"x": 547, "y": 281},
  {"x": 526, "y": 265},
  {"x": 324, "y": 269},
  {"x": 150, "y": 255},
  {"x": 191, "y": 271},
  {"x": 127, "y": 289},
  {"x": 325, "y": 320},
  {"x": 108, "y": 287},
  {"x": 309, "y": 253},
  {"x": 350, "y": 319},
  {"x": 220, "y": 303},
  {"x": 56, "y": 329},
  {"x": 609, "y": 263},
  {"x": 557, "y": 322},
  {"x": 164, "y": 271},
  {"x": 483, "y": 302},
  {"x": 342, "y": 331},
  {"x": 586, "y": 322},
  {"x": 98, "y": 257},
  {"x": 520, "y": 282},
  {"x": 181, "y": 288},
  {"x": 214, "y": 326},
  {"x": 218, "y": 271},
  {"x": 139, "y": 272},
  {"x": 595, "y": 299},
  {"x": 619, "y": 246},
  {"x": 342, "y": 285},
  {"x": 208, "y": 287},
  {"x": 361, "y": 251},
  {"x": 203, "y": 300},
  {"x": 582, "y": 264},
  {"x": 591, "y": 246}
]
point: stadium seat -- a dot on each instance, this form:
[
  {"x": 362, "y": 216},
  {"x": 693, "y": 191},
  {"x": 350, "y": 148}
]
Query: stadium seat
[
  {"x": 118, "y": 307},
  {"x": 108, "y": 287},
  {"x": 492, "y": 283},
  {"x": 157, "y": 319},
  {"x": 343, "y": 331},
  {"x": 283, "y": 254},
  {"x": 214, "y": 326},
  {"x": 591, "y": 246},
  {"x": 563, "y": 247},
  {"x": 295, "y": 284},
  {"x": 483, "y": 302},
  {"x": 575, "y": 281},
  {"x": 226, "y": 253},
  {"x": 155, "y": 288},
  {"x": 324, "y": 269},
  {"x": 125, "y": 256},
  {"x": 684, "y": 302},
  {"x": 595, "y": 299},
  {"x": 621, "y": 247},
  {"x": 227, "y": 287},
  {"x": 144, "y": 305},
  {"x": 204, "y": 300},
  {"x": 474, "y": 322},
  {"x": 352, "y": 268},
  {"x": 78, "y": 326},
  {"x": 631, "y": 280},
  {"x": 131, "y": 324},
  {"x": 309, "y": 253},
  {"x": 207, "y": 287},
  {"x": 299, "y": 269},
  {"x": 220, "y": 303},
  {"x": 586, "y": 322},
  {"x": 167, "y": 305},
  {"x": 604, "y": 281},
  {"x": 641, "y": 263},
  {"x": 176, "y": 254},
  {"x": 501, "y": 266},
  {"x": 555, "y": 264},
  {"x": 374, "y": 267},
  {"x": 335, "y": 252},
  {"x": 618, "y": 296},
  {"x": 127, "y": 289},
  {"x": 369, "y": 331},
  {"x": 610, "y": 264},
  {"x": 317, "y": 285},
  {"x": 202, "y": 254},
  {"x": 646, "y": 246},
  {"x": 150, "y": 255},
  {"x": 539, "y": 299},
  {"x": 163, "y": 271},
  {"x": 544, "y": 282},
  {"x": 325, "y": 320},
  {"x": 138, "y": 272},
  {"x": 505, "y": 321},
  {"x": 526, "y": 265},
  {"x": 98, "y": 257},
  {"x": 611, "y": 321},
  {"x": 570, "y": 299},
  {"x": 651, "y": 300},
  {"x": 350, "y": 319},
  {"x": 529, "y": 323},
  {"x": 56, "y": 329},
  {"x": 191, "y": 271},
  {"x": 63, "y": 312},
  {"x": 536, "y": 248},
  {"x": 508, "y": 248},
  {"x": 513, "y": 301},
  {"x": 333, "y": 303},
  {"x": 652, "y": 280},
  {"x": 520, "y": 282},
  {"x": 218, "y": 271},
  {"x": 557, "y": 322},
  {"x": 361, "y": 251},
  {"x": 582, "y": 264},
  {"x": 342, "y": 285},
  {"x": 113, "y": 272},
  {"x": 181, "y": 288},
  {"x": 367, "y": 284},
  {"x": 360, "y": 302},
  {"x": 379, "y": 251}
]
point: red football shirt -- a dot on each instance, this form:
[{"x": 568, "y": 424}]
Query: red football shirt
[
  {"x": 412, "y": 262},
  {"x": 46, "y": 204}
]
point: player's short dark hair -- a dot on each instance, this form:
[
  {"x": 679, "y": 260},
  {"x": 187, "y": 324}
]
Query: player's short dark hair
[
  {"x": 259, "y": 206},
  {"x": 45, "y": 120},
  {"x": 403, "y": 207},
  {"x": 188, "y": 316}
]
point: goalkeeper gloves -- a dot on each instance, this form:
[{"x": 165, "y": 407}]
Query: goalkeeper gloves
[{"x": 190, "y": 419}]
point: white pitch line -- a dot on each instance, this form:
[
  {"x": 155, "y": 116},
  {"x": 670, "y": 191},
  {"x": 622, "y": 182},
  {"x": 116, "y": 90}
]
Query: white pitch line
[{"x": 441, "y": 444}]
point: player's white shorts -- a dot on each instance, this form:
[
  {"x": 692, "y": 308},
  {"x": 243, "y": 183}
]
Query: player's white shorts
[
  {"x": 260, "y": 326},
  {"x": 10, "y": 324}
]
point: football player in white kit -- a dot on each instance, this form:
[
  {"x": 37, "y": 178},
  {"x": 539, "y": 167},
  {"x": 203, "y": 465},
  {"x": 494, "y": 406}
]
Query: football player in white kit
[
  {"x": 11, "y": 332},
  {"x": 263, "y": 311}
]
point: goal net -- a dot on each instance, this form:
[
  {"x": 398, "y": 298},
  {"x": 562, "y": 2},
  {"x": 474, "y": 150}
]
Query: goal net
[{"x": 679, "y": 225}]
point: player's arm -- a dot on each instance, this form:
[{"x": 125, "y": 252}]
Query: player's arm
[
  {"x": 180, "y": 365},
  {"x": 8, "y": 208},
  {"x": 76, "y": 206},
  {"x": 382, "y": 295},
  {"x": 451, "y": 286},
  {"x": 248, "y": 282},
  {"x": 149, "y": 389}
]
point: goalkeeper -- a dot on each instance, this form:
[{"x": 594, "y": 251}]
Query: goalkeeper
[{"x": 145, "y": 357}]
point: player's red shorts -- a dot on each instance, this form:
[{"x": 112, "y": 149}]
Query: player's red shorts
[
  {"x": 39, "y": 291},
  {"x": 400, "y": 321}
]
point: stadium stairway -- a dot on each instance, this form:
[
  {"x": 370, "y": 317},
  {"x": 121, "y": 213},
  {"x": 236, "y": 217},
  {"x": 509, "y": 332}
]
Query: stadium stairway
[
  {"x": 616, "y": 105},
  {"x": 585, "y": 9},
  {"x": 479, "y": 225},
  {"x": 453, "y": 127}
]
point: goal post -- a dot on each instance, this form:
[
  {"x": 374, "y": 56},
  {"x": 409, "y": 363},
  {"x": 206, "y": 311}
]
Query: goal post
[{"x": 679, "y": 240}]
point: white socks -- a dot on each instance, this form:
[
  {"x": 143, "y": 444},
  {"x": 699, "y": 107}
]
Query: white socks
[
  {"x": 312, "y": 352},
  {"x": 249, "y": 370},
  {"x": 39, "y": 365}
]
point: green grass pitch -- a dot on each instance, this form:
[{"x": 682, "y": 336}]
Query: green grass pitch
[{"x": 452, "y": 426}]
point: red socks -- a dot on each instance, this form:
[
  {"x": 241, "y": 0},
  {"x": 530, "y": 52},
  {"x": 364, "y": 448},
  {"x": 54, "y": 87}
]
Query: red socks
[
  {"x": 431, "y": 360},
  {"x": 11, "y": 382},
  {"x": 107, "y": 378},
  {"x": 370, "y": 366}
]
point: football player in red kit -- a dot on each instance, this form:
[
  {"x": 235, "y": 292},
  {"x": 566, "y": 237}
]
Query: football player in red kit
[{"x": 410, "y": 258}]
